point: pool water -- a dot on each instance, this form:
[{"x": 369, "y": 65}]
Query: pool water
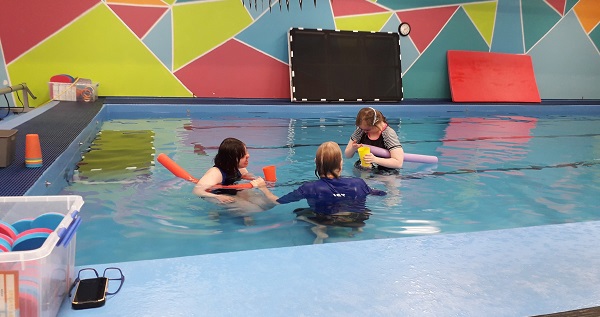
[{"x": 493, "y": 172}]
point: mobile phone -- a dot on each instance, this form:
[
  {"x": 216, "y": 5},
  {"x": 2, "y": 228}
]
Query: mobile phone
[{"x": 90, "y": 293}]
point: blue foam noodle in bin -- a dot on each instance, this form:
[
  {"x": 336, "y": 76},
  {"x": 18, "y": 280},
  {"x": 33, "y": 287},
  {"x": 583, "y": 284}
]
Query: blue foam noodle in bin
[
  {"x": 30, "y": 242},
  {"x": 7, "y": 229},
  {"x": 22, "y": 225},
  {"x": 49, "y": 220}
]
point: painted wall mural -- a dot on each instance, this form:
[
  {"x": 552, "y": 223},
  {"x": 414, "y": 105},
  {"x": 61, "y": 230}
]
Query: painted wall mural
[{"x": 238, "y": 49}]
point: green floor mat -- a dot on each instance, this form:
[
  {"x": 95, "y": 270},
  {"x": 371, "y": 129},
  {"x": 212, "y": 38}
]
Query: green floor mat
[{"x": 118, "y": 155}]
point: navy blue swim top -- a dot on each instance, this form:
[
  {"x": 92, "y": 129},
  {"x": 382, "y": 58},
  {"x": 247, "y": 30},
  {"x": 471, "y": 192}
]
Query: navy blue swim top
[{"x": 330, "y": 196}]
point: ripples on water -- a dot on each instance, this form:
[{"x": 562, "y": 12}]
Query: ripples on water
[{"x": 493, "y": 173}]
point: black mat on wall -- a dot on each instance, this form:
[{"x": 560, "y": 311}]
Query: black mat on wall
[{"x": 329, "y": 65}]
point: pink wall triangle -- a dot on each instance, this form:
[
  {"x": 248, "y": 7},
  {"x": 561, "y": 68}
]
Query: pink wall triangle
[
  {"x": 138, "y": 18},
  {"x": 426, "y": 23},
  {"x": 40, "y": 19},
  {"x": 352, "y": 7}
]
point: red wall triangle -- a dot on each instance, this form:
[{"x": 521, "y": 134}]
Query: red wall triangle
[
  {"x": 223, "y": 74},
  {"x": 39, "y": 19},
  {"x": 138, "y": 18},
  {"x": 559, "y": 5},
  {"x": 352, "y": 7},
  {"x": 426, "y": 24}
]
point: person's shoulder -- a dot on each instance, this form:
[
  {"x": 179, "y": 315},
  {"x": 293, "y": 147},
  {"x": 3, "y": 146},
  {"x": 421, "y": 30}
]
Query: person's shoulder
[
  {"x": 389, "y": 131},
  {"x": 353, "y": 180}
]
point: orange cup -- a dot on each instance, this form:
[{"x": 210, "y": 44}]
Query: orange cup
[
  {"x": 270, "y": 173},
  {"x": 33, "y": 151}
]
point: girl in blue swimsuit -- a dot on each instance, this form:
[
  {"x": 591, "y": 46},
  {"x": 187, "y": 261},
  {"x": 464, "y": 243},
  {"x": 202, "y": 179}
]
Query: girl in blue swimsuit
[{"x": 333, "y": 200}]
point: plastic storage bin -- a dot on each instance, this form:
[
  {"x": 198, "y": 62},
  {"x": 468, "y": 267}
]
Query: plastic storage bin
[
  {"x": 73, "y": 92},
  {"x": 40, "y": 278},
  {"x": 7, "y": 146}
]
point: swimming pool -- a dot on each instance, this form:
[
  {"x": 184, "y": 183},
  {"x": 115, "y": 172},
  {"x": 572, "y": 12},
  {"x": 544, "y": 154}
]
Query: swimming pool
[{"x": 496, "y": 170}]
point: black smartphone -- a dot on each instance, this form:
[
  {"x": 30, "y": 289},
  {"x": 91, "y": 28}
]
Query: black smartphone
[{"x": 90, "y": 293}]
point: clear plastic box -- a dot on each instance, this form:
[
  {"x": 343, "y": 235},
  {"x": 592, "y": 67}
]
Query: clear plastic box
[
  {"x": 74, "y": 92},
  {"x": 39, "y": 278}
]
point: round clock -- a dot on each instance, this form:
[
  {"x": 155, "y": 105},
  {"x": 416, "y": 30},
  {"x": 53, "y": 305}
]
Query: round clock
[{"x": 404, "y": 29}]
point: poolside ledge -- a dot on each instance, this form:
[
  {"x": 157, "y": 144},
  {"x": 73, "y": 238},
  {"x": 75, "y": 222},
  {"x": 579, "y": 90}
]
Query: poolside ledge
[{"x": 514, "y": 272}]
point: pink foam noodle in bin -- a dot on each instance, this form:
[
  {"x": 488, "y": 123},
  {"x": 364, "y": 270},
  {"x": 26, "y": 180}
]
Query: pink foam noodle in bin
[{"x": 270, "y": 173}]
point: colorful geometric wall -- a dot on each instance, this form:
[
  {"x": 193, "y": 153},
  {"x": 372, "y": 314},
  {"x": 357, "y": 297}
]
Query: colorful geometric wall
[{"x": 235, "y": 49}]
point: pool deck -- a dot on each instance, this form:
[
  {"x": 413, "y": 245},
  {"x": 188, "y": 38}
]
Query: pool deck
[{"x": 516, "y": 272}]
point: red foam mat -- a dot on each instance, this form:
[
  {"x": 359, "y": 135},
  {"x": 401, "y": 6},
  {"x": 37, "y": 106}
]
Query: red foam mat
[{"x": 491, "y": 77}]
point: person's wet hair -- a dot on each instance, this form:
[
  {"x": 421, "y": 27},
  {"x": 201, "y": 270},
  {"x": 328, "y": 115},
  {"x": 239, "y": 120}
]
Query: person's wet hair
[
  {"x": 328, "y": 160},
  {"x": 231, "y": 151},
  {"x": 370, "y": 116}
]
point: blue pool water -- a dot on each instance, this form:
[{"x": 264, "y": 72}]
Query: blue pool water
[{"x": 494, "y": 172}]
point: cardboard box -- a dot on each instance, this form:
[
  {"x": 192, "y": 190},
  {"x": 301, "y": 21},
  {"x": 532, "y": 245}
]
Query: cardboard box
[
  {"x": 37, "y": 281},
  {"x": 86, "y": 92}
]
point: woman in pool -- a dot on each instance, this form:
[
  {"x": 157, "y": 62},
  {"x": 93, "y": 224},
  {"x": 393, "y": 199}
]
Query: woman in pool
[
  {"x": 372, "y": 129},
  {"x": 231, "y": 164},
  {"x": 333, "y": 200}
]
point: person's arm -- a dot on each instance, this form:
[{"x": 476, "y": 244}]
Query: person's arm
[
  {"x": 247, "y": 175},
  {"x": 351, "y": 148},
  {"x": 376, "y": 192},
  {"x": 259, "y": 183},
  {"x": 352, "y": 144},
  {"x": 392, "y": 143},
  {"x": 212, "y": 177},
  {"x": 395, "y": 160}
]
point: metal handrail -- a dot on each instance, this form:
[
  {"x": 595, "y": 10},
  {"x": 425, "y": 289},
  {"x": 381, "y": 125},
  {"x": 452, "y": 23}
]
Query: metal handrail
[{"x": 23, "y": 86}]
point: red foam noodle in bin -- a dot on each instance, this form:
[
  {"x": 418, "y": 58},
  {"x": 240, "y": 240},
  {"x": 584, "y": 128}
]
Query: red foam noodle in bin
[
  {"x": 33, "y": 230},
  {"x": 8, "y": 230},
  {"x": 491, "y": 77}
]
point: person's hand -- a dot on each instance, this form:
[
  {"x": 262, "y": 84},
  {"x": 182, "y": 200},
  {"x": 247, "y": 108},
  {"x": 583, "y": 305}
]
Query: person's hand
[
  {"x": 369, "y": 158},
  {"x": 355, "y": 146},
  {"x": 225, "y": 199},
  {"x": 258, "y": 182}
]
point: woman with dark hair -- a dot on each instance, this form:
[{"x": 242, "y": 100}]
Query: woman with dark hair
[
  {"x": 231, "y": 164},
  {"x": 333, "y": 200}
]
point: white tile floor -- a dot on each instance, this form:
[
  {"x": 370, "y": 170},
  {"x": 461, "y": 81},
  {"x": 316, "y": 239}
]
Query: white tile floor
[{"x": 516, "y": 272}]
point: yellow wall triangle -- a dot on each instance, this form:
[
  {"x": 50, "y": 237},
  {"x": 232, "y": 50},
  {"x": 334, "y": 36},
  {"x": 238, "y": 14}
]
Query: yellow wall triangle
[
  {"x": 370, "y": 22},
  {"x": 132, "y": 64},
  {"x": 483, "y": 16},
  {"x": 200, "y": 27}
]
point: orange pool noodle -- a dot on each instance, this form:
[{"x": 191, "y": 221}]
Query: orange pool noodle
[{"x": 174, "y": 168}]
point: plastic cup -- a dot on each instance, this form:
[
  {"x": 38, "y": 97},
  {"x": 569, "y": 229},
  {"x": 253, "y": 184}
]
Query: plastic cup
[
  {"x": 33, "y": 151},
  {"x": 362, "y": 151},
  {"x": 270, "y": 173}
]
